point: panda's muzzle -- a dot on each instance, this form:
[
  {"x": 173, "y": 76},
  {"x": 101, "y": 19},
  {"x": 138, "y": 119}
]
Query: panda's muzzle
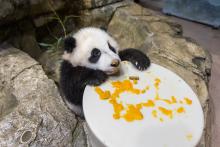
[{"x": 115, "y": 63}]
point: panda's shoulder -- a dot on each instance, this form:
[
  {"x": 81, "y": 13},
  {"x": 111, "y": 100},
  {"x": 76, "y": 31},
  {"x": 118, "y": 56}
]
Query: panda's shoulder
[{"x": 67, "y": 69}]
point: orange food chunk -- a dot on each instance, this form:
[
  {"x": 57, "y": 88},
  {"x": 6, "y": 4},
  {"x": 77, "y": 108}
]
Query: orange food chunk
[
  {"x": 189, "y": 137},
  {"x": 157, "y": 83},
  {"x": 161, "y": 119},
  {"x": 157, "y": 80},
  {"x": 133, "y": 113},
  {"x": 180, "y": 110},
  {"x": 167, "y": 101},
  {"x": 116, "y": 94},
  {"x": 188, "y": 101},
  {"x": 173, "y": 99},
  {"x": 143, "y": 91},
  {"x": 154, "y": 113},
  {"x": 135, "y": 81},
  {"x": 166, "y": 112},
  {"x": 126, "y": 85},
  {"x": 157, "y": 97},
  {"x": 139, "y": 106},
  {"x": 149, "y": 103},
  {"x": 116, "y": 116},
  {"x": 116, "y": 84},
  {"x": 118, "y": 108},
  {"x": 103, "y": 94},
  {"x": 147, "y": 88},
  {"x": 135, "y": 91}
]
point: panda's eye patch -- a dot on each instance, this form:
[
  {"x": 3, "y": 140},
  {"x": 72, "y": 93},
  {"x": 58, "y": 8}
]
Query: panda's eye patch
[
  {"x": 111, "y": 48},
  {"x": 95, "y": 55}
]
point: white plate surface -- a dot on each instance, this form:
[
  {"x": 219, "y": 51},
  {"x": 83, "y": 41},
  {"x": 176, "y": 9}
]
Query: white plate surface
[{"x": 183, "y": 130}]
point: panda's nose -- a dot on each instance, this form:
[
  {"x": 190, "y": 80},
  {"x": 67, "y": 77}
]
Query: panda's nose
[{"x": 115, "y": 63}]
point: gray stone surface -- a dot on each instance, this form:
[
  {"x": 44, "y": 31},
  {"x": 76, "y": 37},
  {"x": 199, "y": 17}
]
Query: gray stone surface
[
  {"x": 159, "y": 37},
  {"x": 99, "y": 16},
  {"x": 14, "y": 10},
  {"x": 31, "y": 109},
  {"x": 98, "y": 3},
  {"x": 50, "y": 60}
]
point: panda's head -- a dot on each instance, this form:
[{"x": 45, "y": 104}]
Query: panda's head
[{"x": 92, "y": 48}]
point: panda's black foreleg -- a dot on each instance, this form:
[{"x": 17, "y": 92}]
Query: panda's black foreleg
[
  {"x": 136, "y": 57},
  {"x": 96, "y": 77}
]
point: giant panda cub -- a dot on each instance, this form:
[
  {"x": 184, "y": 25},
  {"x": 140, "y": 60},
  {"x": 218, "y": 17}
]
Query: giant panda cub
[{"x": 90, "y": 56}]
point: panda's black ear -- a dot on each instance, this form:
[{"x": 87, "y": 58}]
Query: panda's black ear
[
  {"x": 103, "y": 28},
  {"x": 69, "y": 44}
]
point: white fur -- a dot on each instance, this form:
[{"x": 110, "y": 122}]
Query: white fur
[{"x": 86, "y": 40}]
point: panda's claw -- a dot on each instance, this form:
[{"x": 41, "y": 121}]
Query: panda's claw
[{"x": 141, "y": 65}]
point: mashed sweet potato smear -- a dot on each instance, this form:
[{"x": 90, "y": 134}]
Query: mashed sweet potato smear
[
  {"x": 180, "y": 110},
  {"x": 132, "y": 112},
  {"x": 166, "y": 112},
  {"x": 188, "y": 101},
  {"x": 102, "y": 94},
  {"x": 157, "y": 83},
  {"x": 149, "y": 103}
]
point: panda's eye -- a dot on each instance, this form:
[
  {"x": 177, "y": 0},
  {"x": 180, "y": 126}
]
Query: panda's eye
[
  {"x": 96, "y": 52},
  {"x": 95, "y": 55},
  {"x": 111, "y": 48}
]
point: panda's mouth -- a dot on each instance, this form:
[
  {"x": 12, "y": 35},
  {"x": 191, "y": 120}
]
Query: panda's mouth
[{"x": 113, "y": 71}]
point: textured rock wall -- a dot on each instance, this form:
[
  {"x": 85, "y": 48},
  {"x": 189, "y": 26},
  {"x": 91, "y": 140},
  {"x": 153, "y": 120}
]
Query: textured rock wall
[
  {"x": 36, "y": 21},
  {"x": 32, "y": 111}
]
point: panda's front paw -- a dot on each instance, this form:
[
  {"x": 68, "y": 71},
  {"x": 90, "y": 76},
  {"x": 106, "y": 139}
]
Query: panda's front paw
[
  {"x": 95, "y": 82},
  {"x": 142, "y": 63},
  {"x": 98, "y": 78},
  {"x": 136, "y": 57}
]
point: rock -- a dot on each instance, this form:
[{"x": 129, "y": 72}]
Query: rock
[
  {"x": 32, "y": 112},
  {"x": 24, "y": 38},
  {"x": 98, "y": 3},
  {"x": 42, "y": 6},
  {"x": 14, "y": 10},
  {"x": 138, "y": 27},
  {"x": 51, "y": 60},
  {"x": 99, "y": 16}
]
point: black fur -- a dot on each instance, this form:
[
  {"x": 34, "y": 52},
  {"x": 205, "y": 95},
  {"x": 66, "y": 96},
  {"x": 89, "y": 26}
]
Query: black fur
[
  {"x": 103, "y": 28},
  {"x": 135, "y": 56},
  {"x": 111, "y": 48},
  {"x": 74, "y": 79},
  {"x": 69, "y": 44},
  {"x": 95, "y": 55}
]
